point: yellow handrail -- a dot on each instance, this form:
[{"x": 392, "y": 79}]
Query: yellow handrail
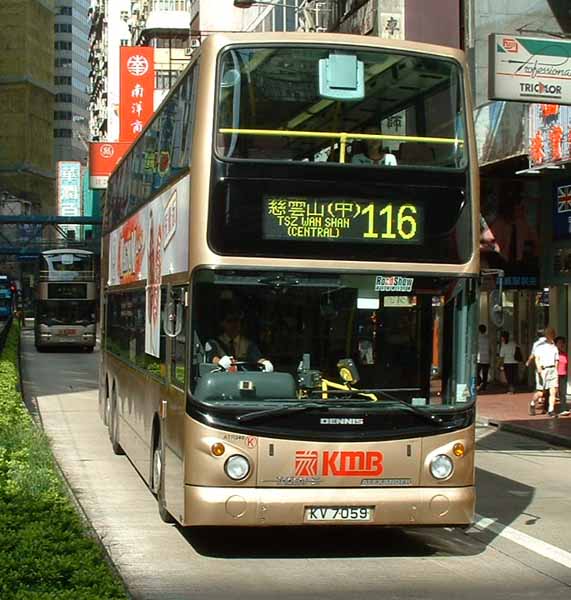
[{"x": 342, "y": 136}]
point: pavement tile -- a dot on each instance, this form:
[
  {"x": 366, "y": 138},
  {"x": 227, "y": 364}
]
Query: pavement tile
[{"x": 510, "y": 412}]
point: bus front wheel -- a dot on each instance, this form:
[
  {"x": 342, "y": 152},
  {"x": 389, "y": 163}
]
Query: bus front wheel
[{"x": 157, "y": 478}]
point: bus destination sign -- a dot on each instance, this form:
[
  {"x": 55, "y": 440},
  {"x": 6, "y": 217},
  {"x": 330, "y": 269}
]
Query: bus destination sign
[
  {"x": 342, "y": 220},
  {"x": 67, "y": 291}
]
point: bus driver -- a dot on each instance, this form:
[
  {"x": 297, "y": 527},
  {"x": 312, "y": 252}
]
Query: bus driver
[{"x": 231, "y": 346}]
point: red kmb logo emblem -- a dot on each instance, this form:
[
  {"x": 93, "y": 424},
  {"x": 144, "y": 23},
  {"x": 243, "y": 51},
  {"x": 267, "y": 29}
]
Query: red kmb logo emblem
[{"x": 306, "y": 463}]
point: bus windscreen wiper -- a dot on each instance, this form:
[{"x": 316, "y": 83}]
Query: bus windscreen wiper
[
  {"x": 434, "y": 419},
  {"x": 277, "y": 411}
]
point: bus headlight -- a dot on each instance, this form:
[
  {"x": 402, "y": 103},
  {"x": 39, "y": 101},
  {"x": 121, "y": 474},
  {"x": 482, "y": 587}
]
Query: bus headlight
[
  {"x": 441, "y": 467},
  {"x": 237, "y": 467}
]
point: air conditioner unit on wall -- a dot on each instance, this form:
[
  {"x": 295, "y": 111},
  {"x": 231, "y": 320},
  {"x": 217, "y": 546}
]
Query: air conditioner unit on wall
[{"x": 187, "y": 51}]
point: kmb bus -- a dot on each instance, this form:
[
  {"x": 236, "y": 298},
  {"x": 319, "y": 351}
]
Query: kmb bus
[
  {"x": 314, "y": 197},
  {"x": 66, "y": 297}
]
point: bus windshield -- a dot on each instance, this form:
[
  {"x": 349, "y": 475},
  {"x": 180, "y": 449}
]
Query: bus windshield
[
  {"x": 69, "y": 265},
  {"x": 57, "y": 312},
  {"x": 363, "y": 107},
  {"x": 405, "y": 335}
]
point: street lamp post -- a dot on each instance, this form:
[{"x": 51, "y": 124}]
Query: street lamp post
[{"x": 309, "y": 23}]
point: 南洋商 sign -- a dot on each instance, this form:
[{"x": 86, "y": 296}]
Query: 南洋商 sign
[{"x": 527, "y": 69}]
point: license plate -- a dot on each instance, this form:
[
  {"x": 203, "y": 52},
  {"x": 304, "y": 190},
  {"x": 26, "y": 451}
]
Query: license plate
[
  {"x": 69, "y": 331},
  {"x": 338, "y": 513}
]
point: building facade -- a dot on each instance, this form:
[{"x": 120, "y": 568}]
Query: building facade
[
  {"x": 71, "y": 80},
  {"x": 109, "y": 31},
  {"x": 174, "y": 28},
  {"x": 516, "y": 200},
  {"x": 27, "y": 96}
]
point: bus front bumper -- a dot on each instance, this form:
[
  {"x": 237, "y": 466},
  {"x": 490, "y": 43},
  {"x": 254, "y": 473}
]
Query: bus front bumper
[
  {"x": 292, "y": 506},
  {"x": 54, "y": 339}
]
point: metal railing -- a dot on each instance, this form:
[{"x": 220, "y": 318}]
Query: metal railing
[{"x": 342, "y": 137}]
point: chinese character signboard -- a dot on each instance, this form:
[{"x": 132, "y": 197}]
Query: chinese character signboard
[
  {"x": 137, "y": 89},
  {"x": 529, "y": 69},
  {"x": 69, "y": 190},
  {"x": 103, "y": 158},
  {"x": 550, "y": 134}
]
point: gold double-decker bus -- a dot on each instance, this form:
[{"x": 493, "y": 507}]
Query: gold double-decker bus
[{"x": 290, "y": 285}]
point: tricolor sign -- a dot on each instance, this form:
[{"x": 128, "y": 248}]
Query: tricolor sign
[{"x": 529, "y": 69}]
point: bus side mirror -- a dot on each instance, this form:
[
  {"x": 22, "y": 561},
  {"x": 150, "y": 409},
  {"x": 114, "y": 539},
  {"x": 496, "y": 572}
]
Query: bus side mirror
[
  {"x": 173, "y": 321},
  {"x": 496, "y": 309}
]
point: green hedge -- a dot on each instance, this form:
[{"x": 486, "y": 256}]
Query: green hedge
[{"x": 46, "y": 551}]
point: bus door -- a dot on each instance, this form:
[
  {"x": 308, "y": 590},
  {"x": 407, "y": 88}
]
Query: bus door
[{"x": 175, "y": 316}]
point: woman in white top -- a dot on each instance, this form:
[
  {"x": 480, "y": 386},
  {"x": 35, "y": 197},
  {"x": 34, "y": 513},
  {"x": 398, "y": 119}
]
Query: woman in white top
[{"x": 508, "y": 360}]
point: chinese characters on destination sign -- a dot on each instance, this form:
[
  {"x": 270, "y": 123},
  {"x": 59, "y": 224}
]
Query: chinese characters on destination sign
[{"x": 342, "y": 220}]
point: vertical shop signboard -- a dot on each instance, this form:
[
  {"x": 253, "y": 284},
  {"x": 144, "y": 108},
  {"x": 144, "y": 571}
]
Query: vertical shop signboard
[
  {"x": 69, "y": 192},
  {"x": 137, "y": 89}
]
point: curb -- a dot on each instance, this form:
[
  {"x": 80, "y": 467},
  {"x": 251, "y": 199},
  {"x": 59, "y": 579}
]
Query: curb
[
  {"x": 552, "y": 438},
  {"x": 66, "y": 484}
]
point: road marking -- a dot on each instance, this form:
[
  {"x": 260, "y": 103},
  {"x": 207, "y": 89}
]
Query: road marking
[{"x": 542, "y": 548}]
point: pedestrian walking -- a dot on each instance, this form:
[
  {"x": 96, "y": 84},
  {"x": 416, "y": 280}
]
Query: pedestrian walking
[
  {"x": 546, "y": 358},
  {"x": 483, "y": 357},
  {"x": 508, "y": 360},
  {"x": 538, "y": 399},
  {"x": 562, "y": 369}
]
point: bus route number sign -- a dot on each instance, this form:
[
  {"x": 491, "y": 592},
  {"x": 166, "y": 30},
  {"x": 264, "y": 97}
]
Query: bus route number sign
[{"x": 340, "y": 220}]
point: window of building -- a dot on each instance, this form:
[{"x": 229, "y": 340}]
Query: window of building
[
  {"x": 64, "y": 98},
  {"x": 62, "y": 62},
  {"x": 124, "y": 42},
  {"x": 62, "y": 27},
  {"x": 62, "y": 133},
  {"x": 65, "y": 10},
  {"x": 61, "y": 45},
  {"x": 63, "y": 115},
  {"x": 182, "y": 5},
  {"x": 169, "y": 42},
  {"x": 164, "y": 79},
  {"x": 62, "y": 80}
]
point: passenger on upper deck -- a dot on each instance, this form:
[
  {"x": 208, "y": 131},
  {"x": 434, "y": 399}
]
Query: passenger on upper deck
[
  {"x": 231, "y": 346},
  {"x": 374, "y": 153}
]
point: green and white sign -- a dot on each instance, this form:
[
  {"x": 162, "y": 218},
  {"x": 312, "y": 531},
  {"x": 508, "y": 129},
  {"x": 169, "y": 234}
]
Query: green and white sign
[{"x": 529, "y": 69}]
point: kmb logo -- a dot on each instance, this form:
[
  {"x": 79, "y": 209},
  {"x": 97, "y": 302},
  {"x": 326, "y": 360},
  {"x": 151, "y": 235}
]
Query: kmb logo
[{"x": 339, "y": 463}]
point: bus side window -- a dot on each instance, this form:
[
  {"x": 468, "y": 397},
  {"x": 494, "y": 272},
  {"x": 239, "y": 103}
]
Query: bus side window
[{"x": 178, "y": 349}]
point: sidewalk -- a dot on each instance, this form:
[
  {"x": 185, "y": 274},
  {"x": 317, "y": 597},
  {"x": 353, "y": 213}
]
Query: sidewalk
[{"x": 510, "y": 413}]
